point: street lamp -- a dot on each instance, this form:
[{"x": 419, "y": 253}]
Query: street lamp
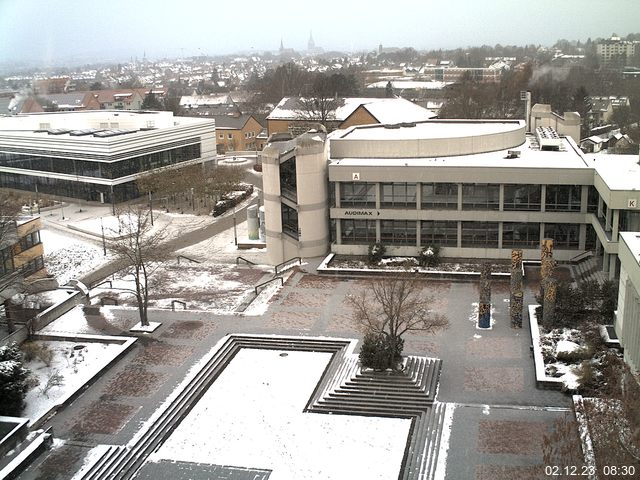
[
  {"x": 150, "y": 208},
  {"x": 104, "y": 243},
  {"x": 235, "y": 232}
]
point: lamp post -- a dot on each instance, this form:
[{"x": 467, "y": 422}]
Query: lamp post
[
  {"x": 150, "y": 208},
  {"x": 104, "y": 243},
  {"x": 235, "y": 232},
  {"x": 37, "y": 198}
]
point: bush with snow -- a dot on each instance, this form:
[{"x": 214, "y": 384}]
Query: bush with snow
[{"x": 376, "y": 252}]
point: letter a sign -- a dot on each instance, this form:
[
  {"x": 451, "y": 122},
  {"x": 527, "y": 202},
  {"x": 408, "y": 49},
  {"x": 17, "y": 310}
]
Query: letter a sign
[
  {"x": 632, "y": 203},
  {"x": 355, "y": 176}
]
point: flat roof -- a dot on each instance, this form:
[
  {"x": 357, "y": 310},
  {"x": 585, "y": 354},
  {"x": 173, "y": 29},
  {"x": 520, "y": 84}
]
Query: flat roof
[
  {"x": 619, "y": 172},
  {"x": 530, "y": 157},
  {"x": 632, "y": 239},
  {"x": 430, "y": 129}
]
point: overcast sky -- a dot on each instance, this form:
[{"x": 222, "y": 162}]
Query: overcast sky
[{"x": 48, "y": 31}]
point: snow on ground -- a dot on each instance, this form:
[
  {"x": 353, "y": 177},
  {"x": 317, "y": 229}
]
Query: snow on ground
[
  {"x": 218, "y": 288},
  {"x": 68, "y": 257},
  {"x": 223, "y": 249},
  {"x": 76, "y": 371},
  {"x": 252, "y": 415}
]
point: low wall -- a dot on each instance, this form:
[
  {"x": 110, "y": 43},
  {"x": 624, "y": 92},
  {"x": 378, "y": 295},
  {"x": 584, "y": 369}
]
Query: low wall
[{"x": 53, "y": 312}]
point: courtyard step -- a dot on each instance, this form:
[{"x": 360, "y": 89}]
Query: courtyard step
[{"x": 422, "y": 455}]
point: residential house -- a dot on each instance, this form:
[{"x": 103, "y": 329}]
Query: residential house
[
  {"x": 290, "y": 114},
  {"x": 237, "y": 133},
  {"x": 602, "y": 108}
]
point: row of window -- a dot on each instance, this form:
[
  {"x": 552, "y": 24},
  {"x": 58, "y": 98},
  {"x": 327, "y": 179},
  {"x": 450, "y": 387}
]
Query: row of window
[
  {"x": 445, "y": 233},
  {"x": 29, "y": 240},
  {"x": 475, "y": 196},
  {"x": 111, "y": 170},
  {"x": 33, "y": 266}
]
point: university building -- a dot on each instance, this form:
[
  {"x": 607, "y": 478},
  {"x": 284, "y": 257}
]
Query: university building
[
  {"x": 97, "y": 155},
  {"x": 476, "y": 188}
]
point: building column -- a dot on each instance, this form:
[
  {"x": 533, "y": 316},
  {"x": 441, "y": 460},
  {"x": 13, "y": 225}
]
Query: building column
[
  {"x": 584, "y": 199},
  {"x": 459, "y": 201},
  {"x": 500, "y": 228},
  {"x": 459, "y": 244},
  {"x": 600, "y": 203},
  {"x": 337, "y": 194},
  {"x": 605, "y": 261},
  {"x": 607, "y": 224},
  {"x": 543, "y": 197},
  {"x": 378, "y": 230},
  {"x": 582, "y": 237},
  {"x": 615, "y": 225},
  {"x": 612, "y": 266},
  {"x": 378, "y": 196},
  {"x": 542, "y": 237},
  {"x": 338, "y": 231},
  {"x": 418, "y": 239},
  {"x": 418, "y": 196},
  {"x": 501, "y": 201}
]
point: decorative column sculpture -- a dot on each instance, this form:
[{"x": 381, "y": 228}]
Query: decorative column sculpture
[
  {"x": 549, "y": 302},
  {"x": 548, "y": 284},
  {"x": 516, "y": 298},
  {"x": 484, "y": 306}
]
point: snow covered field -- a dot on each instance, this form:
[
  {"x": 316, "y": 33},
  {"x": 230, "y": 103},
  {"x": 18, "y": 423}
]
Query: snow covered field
[
  {"x": 252, "y": 416},
  {"x": 76, "y": 370},
  {"x": 67, "y": 257}
]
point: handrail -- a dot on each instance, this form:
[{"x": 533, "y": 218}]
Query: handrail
[
  {"x": 255, "y": 289},
  {"x": 102, "y": 283},
  {"x": 173, "y": 304},
  {"x": 285, "y": 263},
  {"x": 187, "y": 258},
  {"x": 249, "y": 262}
]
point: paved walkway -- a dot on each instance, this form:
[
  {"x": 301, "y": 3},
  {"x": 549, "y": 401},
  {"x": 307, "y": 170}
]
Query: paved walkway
[{"x": 485, "y": 373}]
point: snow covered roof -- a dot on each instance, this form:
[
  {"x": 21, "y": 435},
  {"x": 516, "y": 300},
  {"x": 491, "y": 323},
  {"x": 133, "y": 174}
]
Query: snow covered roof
[
  {"x": 195, "y": 101},
  {"x": 619, "y": 172},
  {"x": 410, "y": 84},
  {"x": 385, "y": 110}
]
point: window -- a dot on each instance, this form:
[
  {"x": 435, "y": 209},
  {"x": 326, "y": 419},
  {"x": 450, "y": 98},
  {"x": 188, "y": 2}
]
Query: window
[
  {"x": 398, "y": 232},
  {"x": 358, "y": 231},
  {"x": 480, "y": 196},
  {"x": 290, "y": 221},
  {"x": 358, "y": 194},
  {"x": 440, "y": 196},
  {"x": 221, "y": 136},
  {"x": 480, "y": 234},
  {"x": 30, "y": 240},
  {"x": 441, "y": 233},
  {"x": 522, "y": 197},
  {"x": 521, "y": 235},
  {"x": 398, "y": 195},
  {"x": 288, "y": 179},
  {"x": 33, "y": 266},
  {"x": 563, "y": 198},
  {"x": 6, "y": 261},
  {"x": 565, "y": 235},
  {"x": 230, "y": 136},
  {"x": 592, "y": 199}
]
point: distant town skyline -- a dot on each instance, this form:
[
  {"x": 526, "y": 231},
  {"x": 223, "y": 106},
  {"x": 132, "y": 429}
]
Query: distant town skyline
[{"x": 49, "y": 33}]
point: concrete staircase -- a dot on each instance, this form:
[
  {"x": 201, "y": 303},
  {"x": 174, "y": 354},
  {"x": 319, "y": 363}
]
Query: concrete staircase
[
  {"x": 589, "y": 269},
  {"x": 343, "y": 389}
]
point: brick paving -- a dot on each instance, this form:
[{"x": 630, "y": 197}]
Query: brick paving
[{"x": 480, "y": 367}]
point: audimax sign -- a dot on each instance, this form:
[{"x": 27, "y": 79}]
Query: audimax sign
[{"x": 361, "y": 213}]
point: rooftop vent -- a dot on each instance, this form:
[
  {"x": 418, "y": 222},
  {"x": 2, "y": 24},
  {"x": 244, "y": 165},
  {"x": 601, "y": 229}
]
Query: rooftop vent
[
  {"x": 548, "y": 138},
  {"x": 513, "y": 154}
]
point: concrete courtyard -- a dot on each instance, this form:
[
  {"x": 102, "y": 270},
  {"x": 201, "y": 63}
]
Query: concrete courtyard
[{"x": 500, "y": 416}]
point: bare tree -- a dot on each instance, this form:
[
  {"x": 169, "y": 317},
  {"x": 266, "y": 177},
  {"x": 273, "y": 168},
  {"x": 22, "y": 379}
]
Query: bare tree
[
  {"x": 140, "y": 248},
  {"x": 11, "y": 279},
  {"x": 391, "y": 307}
]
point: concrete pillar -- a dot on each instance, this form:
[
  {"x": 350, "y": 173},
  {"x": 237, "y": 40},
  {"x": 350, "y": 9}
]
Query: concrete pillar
[
  {"x": 418, "y": 196},
  {"x": 543, "y": 198},
  {"x": 272, "y": 204},
  {"x": 337, "y": 193},
  {"x": 501, "y": 198},
  {"x": 500, "y": 230},
  {"x": 459, "y": 244},
  {"x": 582, "y": 237},
  {"x": 607, "y": 225},
  {"x": 378, "y": 195},
  {"x": 584, "y": 199},
  {"x": 615, "y": 225},
  {"x": 459, "y": 198},
  {"x": 605, "y": 261},
  {"x": 338, "y": 231},
  {"x": 612, "y": 266}
]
